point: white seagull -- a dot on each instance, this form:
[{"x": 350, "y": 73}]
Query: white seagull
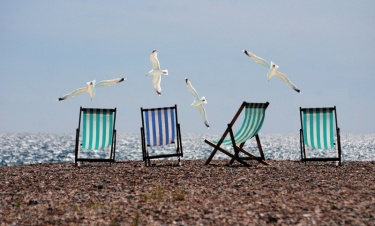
[
  {"x": 272, "y": 69},
  {"x": 198, "y": 102},
  {"x": 91, "y": 86},
  {"x": 156, "y": 72}
]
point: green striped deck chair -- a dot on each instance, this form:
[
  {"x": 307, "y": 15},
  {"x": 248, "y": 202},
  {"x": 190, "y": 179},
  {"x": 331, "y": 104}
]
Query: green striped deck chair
[
  {"x": 96, "y": 131},
  {"x": 319, "y": 131},
  {"x": 160, "y": 127},
  {"x": 254, "y": 115}
]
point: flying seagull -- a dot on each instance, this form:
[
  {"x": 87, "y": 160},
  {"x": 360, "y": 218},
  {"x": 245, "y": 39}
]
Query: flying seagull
[
  {"x": 90, "y": 88},
  {"x": 156, "y": 72},
  {"x": 198, "y": 102},
  {"x": 272, "y": 69}
]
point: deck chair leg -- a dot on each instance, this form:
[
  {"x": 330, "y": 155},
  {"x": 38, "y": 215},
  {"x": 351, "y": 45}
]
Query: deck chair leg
[
  {"x": 260, "y": 147},
  {"x": 237, "y": 152},
  {"x": 261, "y": 159},
  {"x": 78, "y": 155},
  {"x": 111, "y": 154},
  {"x": 338, "y": 145},
  {"x": 216, "y": 148},
  {"x": 254, "y": 157},
  {"x": 147, "y": 161},
  {"x": 148, "y": 158},
  {"x": 211, "y": 156}
]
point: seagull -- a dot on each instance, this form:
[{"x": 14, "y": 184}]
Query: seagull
[
  {"x": 91, "y": 86},
  {"x": 156, "y": 72},
  {"x": 272, "y": 70},
  {"x": 198, "y": 102}
]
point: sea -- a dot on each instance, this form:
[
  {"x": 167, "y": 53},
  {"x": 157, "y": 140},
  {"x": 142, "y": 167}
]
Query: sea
[{"x": 36, "y": 148}]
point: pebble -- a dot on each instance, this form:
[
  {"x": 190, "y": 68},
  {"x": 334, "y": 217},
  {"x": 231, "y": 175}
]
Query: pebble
[{"x": 128, "y": 193}]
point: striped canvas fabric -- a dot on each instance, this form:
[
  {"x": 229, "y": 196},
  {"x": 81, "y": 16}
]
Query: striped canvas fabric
[
  {"x": 318, "y": 127},
  {"x": 252, "y": 123},
  {"x": 97, "y": 128},
  {"x": 160, "y": 126}
]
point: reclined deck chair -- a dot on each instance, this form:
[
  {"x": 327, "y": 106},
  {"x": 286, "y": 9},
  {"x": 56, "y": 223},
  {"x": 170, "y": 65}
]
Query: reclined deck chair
[
  {"x": 160, "y": 127},
  {"x": 251, "y": 125},
  {"x": 96, "y": 131},
  {"x": 319, "y": 130}
]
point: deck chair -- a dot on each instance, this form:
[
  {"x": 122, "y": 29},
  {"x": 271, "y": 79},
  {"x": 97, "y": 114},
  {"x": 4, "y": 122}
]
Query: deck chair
[
  {"x": 319, "y": 131},
  {"x": 96, "y": 131},
  {"x": 253, "y": 120},
  {"x": 160, "y": 127}
]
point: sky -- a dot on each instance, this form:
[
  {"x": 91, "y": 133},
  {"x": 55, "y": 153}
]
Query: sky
[{"x": 49, "y": 48}]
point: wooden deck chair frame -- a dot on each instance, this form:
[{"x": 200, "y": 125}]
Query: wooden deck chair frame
[
  {"x": 161, "y": 127},
  {"x": 238, "y": 147},
  {"x": 95, "y": 126},
  {"x": 317, "y": 130}
]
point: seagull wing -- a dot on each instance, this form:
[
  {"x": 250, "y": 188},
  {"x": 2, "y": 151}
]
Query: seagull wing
[
  {"x": 287, "y": 81},
  {"x": 74, "y": 93},
  {"x": 203, "y": 114},
  {"x": 154, "y": 60},
  {"x": 156, "y": 82},
  {"x": 109, "y": 82},
  {"x": 257, "y": 59},
  {"x": 191, "y": 89}
]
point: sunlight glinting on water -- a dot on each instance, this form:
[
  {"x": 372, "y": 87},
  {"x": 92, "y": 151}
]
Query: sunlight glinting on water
[{"x": 29, "y": 148}]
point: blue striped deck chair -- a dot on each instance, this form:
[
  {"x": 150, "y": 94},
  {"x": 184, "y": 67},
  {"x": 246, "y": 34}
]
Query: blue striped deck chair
[
  {"x": 160, "y": 127},
  {"x": 254, "y": 115},
  {"x": 319, "y": 132},
  {"x": 96, "y": 131}
]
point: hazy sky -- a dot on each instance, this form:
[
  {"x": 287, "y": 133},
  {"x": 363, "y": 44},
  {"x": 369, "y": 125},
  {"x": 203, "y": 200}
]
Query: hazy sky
[{"x": 49, "y": 48}]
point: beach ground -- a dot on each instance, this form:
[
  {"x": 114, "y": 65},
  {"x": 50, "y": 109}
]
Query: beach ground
[{"x": 128, "y": 193}]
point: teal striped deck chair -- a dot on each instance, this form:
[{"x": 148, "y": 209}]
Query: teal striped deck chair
[
  {"x": 254, "y": 115},
  {"x": 319, "y": 132},
  {"x": 160, "y": 127},
  {"x": 96, "y": 132}
]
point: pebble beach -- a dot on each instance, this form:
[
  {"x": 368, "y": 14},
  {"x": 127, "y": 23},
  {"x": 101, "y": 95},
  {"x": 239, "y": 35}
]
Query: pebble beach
[{"x": 128, "y": 193}]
